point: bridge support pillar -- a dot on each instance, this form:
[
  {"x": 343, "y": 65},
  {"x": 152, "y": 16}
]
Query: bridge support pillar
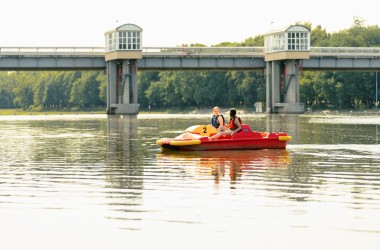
[
  {"x": 122, "y": 87},
  {"x": 123, "y": 49},
  {"x": 282, "y": 87}
]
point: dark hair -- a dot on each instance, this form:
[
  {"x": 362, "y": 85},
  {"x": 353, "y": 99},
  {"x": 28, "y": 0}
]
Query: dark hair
[{"x": 233, "y": 112}]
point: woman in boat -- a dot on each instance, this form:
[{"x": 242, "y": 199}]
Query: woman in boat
[
  {"x": 217, "y": 119},
  {"x": 233, "y": 127}
]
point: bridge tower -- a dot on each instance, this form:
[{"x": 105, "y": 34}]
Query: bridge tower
[
  {"x": 284, "y": 51},
  {"x": 123, "y": 49}
]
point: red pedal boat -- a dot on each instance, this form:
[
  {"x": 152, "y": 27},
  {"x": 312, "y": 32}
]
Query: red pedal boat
[{"x": 195, "y": 138}]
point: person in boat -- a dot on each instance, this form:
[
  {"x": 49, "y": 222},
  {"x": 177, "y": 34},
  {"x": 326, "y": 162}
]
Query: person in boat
[
  {"x": 233, "y": 127},
  {"x": 217, "y": 119}
]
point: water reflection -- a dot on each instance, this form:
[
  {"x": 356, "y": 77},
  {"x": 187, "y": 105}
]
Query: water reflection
[
  {"x": 98, "y": 182},
  {"x": 224, "y": 164},
  {"x": 284, "y": 123},
  {"x": 122, "y": 139},
  {"x": 124, "y": 171}
]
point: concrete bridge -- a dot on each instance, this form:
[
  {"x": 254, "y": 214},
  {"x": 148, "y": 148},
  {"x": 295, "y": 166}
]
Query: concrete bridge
[
  {"x": 182, "y": 58},
  {"x": 286, "y": 52}
]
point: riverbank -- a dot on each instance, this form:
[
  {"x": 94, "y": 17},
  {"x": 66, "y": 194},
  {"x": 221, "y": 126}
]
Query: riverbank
[
  {"x": 224, "y": 111},
  {"x": 25, "y": 112},
  {"x": 203, "y": 111},
  {"x": 142, "y": 111}
]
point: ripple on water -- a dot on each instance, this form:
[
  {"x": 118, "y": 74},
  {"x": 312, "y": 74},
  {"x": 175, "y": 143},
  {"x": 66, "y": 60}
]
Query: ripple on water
[{"x": 69, "y": 178}]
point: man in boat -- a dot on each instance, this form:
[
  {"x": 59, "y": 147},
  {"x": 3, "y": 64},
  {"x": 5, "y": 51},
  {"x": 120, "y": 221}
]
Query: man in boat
[
  {"x": 217, "y": 119},
  {"x": 233, "y": 127}
]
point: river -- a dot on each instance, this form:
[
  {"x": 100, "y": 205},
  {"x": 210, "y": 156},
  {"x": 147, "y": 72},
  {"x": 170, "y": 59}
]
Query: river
[{"x": 98, "y": 182}]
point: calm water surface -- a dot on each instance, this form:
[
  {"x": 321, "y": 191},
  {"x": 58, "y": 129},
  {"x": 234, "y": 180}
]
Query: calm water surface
[{"x": 97, "y": 182}]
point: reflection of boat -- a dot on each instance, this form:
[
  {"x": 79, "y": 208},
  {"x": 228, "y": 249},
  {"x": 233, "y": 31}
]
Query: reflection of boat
[
  {"x": 244, "y": 158},
  {"x": 196, "y": 138},
  {"x": 216, "y": 163}
]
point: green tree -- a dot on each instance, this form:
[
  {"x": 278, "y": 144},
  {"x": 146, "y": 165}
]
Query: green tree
[
  {"x": 6, "y": 90},
  {"x": 143, "y": 82},
  {"x": 257, "y": 41},
  {"x": 319, "y": 37},
  {"x": 52, "y": 95},
  {"x": 102, "y": 79},
  {"x": 85, "y": 91},
  {"x": 156, "y": 94},
  {"x": 252, "y": 88},
  {"x": 23, "y": 90}
]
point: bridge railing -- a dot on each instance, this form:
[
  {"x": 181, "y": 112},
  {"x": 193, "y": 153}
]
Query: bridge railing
[
  {"x": 345, "y": 52},
  {"x": 203, "y": 51},
  {"x": 335, "y": 52},
  {"x": 51, "y": 51}
]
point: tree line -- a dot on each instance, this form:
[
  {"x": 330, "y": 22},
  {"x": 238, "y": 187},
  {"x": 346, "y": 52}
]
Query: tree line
[
  {"x": 49, "y": 90},
  {"x": 74, "y": 90}
]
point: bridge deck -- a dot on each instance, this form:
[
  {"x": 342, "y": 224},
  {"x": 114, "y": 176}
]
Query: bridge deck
[{"x": 74, "y": 58}]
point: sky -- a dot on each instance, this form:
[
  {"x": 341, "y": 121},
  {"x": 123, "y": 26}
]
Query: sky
[{"x": 167, "y": 23}]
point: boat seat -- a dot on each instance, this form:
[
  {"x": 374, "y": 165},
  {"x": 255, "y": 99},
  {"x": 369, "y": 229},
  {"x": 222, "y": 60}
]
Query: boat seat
[{"x": 203, "y": 130}]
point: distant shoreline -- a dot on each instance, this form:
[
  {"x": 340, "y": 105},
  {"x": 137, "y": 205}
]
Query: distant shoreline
[
  {"x": 203, "y": 111},
  {"x": 224, "y": 111},
  {"x": 25, "y": 112}
]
